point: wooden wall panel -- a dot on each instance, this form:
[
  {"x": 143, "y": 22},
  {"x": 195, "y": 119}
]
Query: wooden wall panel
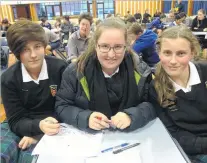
[
  {"x": 133, "y": 6},
  {"x": 33, "y": 13},
  {"x": 6, "y": 12}
]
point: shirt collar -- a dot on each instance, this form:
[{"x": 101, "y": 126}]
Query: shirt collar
[
  {"x": 194, "y": 79},
  {"x": 42, "y": 76},
  {"x": 110, "y": 76},
  {"x": 175, "y": 23}
]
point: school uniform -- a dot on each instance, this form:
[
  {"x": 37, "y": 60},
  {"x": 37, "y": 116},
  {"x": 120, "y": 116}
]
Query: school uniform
[
  {"x": 186, "y": 117},
  {"x": 28, "y": 101}
]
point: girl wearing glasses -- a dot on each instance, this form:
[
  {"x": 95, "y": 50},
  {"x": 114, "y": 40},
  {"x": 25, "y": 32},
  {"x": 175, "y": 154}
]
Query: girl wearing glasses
[{"x": 103, "y": 88}]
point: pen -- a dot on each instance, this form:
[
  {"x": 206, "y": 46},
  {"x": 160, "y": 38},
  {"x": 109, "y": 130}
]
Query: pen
[
  {"x": 112, "y": 148},
  {"x": 111, "y": 125},
  {"x": 125, "y": 148}
]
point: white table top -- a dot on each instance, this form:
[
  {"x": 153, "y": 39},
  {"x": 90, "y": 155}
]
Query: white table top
[{"x": 156, "y": 145}]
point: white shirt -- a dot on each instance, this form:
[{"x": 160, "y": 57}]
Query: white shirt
[
  {"x": 42, "y": 76},
  {"x": 194, "y": 79},
  {"x": 110, "y": 76}
]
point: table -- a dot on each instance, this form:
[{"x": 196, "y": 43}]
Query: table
[
  {"x": 162, "y": 147},
  {"x": 201, "y": 34}
]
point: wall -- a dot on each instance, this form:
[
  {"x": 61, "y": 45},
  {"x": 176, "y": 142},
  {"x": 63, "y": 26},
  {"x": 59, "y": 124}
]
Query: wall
[
  {"x": 6, "y": 12},
  {"x": 133, "y": 6}
]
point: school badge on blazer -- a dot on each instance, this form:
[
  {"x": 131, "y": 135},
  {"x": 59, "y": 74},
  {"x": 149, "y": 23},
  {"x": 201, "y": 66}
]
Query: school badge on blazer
[{"x": 53, "y": 90}]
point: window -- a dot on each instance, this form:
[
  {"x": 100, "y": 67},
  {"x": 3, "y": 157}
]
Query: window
[
  {"x": 48, "y": 10},
  {"x": 74, "y": 7}
]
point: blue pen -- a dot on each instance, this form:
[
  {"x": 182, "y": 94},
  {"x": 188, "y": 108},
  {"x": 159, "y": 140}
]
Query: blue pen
[{"x": 112, "y": 148}]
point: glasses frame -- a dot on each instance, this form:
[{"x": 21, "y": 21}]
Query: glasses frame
[{"x": 124, "y": 46}]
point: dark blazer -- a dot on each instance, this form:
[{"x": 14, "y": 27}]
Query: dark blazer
[
  {"x": 26, "y": 103},
  {"x": 186, "y": 120},
  {"x": 72, "y": 105}
]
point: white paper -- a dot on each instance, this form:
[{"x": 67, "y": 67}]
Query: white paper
[
  {"x": 128, "y": 156},
  {"x": 70, "y": 142},
  {"x": 59, "y": 159}
]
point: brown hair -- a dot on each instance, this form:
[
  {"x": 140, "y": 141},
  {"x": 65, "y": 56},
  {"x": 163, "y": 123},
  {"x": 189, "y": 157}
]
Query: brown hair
[
  {"x": 163, "y": 84},
  {"x": 108, "y": 23},
  {"x": 23, "y": 31},
  {"x": 87, "y": 16},
  {"x": 135, "y": 28}
]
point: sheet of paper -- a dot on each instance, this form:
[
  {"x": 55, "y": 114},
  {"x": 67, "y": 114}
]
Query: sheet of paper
[
  {"x": 59, "y": 159},
  {"x": 129, "y": 156},
  {"x": 70, "y": 142}
]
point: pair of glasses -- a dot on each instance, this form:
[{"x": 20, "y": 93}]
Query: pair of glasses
[{"x": 105, "y": 48}]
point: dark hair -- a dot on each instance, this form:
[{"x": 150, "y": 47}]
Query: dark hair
[
  {"x": 180, "y": 16},
  {"x": 135, "y": 28},
  {"x": 162, "y": 16},
  {"x": 5, "y": 21},
  {"x": 87, "y": 16},
  {"x": 130, "y": 19},
  {"x": 23, "y": 31},
  {"x": 43, "y": 20},
  {"x": 66, "y": 17}
]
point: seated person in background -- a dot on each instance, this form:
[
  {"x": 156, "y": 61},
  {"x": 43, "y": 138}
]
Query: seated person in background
[
  {"x": 171, "y": 17},
  {"x": 102, "y": 87},
  {"x": 53, "y": 39},
  {"x": 4, "y": 26},
  {"x": 146, "y": 17},
  {"x": 157, "y": 14},
  {"x": 129, "y": 20},
  {"x": 78, "y": 42},
  {"x": 179, "y": 19},
  {"x": 143, "y": 43},
  {"x": 28, "y": 87},
  {"x": 138, "y": 16},
  {"x": 45, "y": 23},
  {"x": 66, "y": 28},
  {"x": 57, "y": 28},
  {"x": 200, "y": 21},
  {"x": 179, "y": 91},
  {"x": 157, "y": 24}
]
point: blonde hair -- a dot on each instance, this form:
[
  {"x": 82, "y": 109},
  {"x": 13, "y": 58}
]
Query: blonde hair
[
  {"x": 163, "y": 85},
  {"x": 108, "y": 23}
]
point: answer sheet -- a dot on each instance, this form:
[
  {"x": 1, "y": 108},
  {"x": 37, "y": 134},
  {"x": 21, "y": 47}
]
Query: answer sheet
[{"x": 70, "y": 142}]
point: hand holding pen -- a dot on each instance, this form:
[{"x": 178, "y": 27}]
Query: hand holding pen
[
  {"x": 98, "y": 121},
  {"x": 49, "y": 126}
]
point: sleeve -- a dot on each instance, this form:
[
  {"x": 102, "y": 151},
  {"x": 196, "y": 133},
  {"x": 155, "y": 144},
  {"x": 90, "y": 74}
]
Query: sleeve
[
  {"x": 194, "y": 24},
  {"x": 15, "y": 112},
  {"x": 65, "y": 106},
  {"x": 140, "y": 115},
  {"x": 64, "y": 30},
  {"x": 141, "y": 45},
  {"x": 53, "y": 36},
  {"x": 191, "y": 143},
  {"x": 72, "y": 49},
  {"x": 71, "y": 28},
  {"x": 152, "y": 24}
]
